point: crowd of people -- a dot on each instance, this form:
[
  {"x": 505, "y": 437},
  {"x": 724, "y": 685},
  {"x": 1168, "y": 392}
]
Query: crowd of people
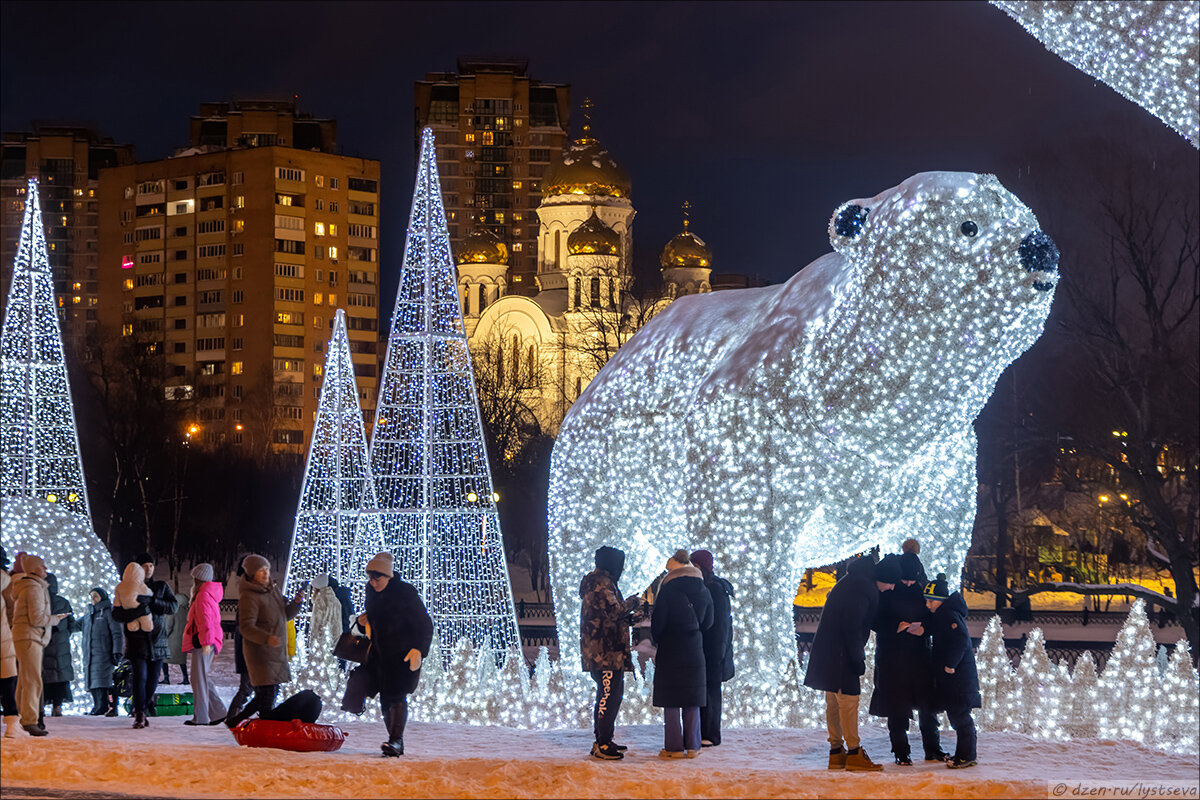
[{"x": 924, "y": 662}]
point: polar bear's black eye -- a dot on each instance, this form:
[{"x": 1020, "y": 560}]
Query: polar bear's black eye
[{"x": 970, "y": 228}]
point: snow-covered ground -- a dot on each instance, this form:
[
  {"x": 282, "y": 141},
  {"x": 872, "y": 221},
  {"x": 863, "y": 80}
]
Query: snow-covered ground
[{"x": 173, "y": 760}]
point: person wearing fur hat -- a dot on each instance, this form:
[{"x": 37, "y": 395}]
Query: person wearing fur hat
[
  {"x": 263, "y": 614},
  {"x": 31, "y": 623},
  {"x": 401, "y": 632},
  {"x": 837, "y": 660},
  {"x": 202, "y": 640},
  {"x": 103, "y": 647},
  {"x": 718, "y": 648},
  {"x": 682, "y": 612},
  {"x": 8, "y": 655},
  {"x": 956, "y": 680},
  {"x": 604, "y": 616},
  {"x": 903, "y": 670}
]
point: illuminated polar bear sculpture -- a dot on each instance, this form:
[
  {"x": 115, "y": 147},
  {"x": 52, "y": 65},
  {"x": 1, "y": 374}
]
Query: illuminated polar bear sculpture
[{"x": 791, "y": 426}]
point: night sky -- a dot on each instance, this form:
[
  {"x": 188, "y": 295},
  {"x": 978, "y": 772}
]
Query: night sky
[{"x": 765, "y": 116}]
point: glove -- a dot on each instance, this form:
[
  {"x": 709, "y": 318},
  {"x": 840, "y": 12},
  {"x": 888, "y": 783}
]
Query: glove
[{"x": 414, "y": 659}]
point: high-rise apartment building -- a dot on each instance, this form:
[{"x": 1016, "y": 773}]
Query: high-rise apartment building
[
  {"x": 232, "y": 257},
  {"x": 497, "y": 132},
  {"x": 67, "y": 160}
]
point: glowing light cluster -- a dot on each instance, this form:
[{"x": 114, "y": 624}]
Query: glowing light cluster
[
  {"x": 796, "y": 425},
  {"x": 337, "y": 499},
  {"x": 437, "y": 506},
  {"x": 1145, "y": 50}
]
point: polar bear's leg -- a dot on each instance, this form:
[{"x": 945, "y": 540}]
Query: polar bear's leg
[{"x": 944, "y": 514}]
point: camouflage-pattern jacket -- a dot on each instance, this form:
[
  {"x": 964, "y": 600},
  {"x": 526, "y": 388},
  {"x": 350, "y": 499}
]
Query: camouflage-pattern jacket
[{"x": 604, "y": 624}]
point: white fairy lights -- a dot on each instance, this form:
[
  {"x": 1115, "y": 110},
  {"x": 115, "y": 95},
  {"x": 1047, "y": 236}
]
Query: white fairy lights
[
  {"x": 337, "y": 499},
  {"x": 1145, "y": 50},
  {"x": 432, "y": 477},
  {"x": 795, "y": 425}
]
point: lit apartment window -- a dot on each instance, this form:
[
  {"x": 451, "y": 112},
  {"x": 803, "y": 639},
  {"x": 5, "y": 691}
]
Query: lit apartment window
[
  {"x": 320, "y": 181},
  {"x": 333, "y": 253},
  {"x": 319, "y": 228},
  {"x": 517, "y": 184},
  {"x": 236, "y": 368},
  {"x": 317, "y": 298},
  {"x": 469, "y": 138},
  {"x": 239, "y": 226},
  {"x": 333, "y": 229}
]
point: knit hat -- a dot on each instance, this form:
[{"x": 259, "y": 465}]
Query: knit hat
[
  {"x": 321, "y": 581},
  {"x": 144, "y": 558},
  {"x": 381, "y": 563},
  {"x": 937, "y": 589},
  {"x": 703, "y": 559},
  {"x": 202, "y": 572},
  {"x": 888, "y": 570},
  {"x": 253, "y": 563},
  {"x": 911, "y": 568}
]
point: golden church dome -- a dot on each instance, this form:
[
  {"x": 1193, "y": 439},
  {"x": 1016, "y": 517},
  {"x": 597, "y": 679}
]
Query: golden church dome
[
  {"x": 586, "y": 168},
  {"x": 686, "y": 249},
  {"x": 593, "y": 237},
  {"x": 482, "y": 247}
]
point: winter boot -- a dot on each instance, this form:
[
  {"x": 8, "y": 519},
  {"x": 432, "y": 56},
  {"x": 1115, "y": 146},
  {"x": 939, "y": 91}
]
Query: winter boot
[
  {"x": 396, "y": 717},
  {"x": 857, "y": 760},
  {"x": 606, "y": 752},
  {"x": 139, "y": 719},
  {"x": 903, "y": 761},
  {"x": 940, "y": 755},
  {"x": 11, "y": 726},
  {"x": 57, "y": 710},
  {"x": 961, "y": 763},
  {"x": 35, "y": 730},
  {"x": 837, "y": 758}
]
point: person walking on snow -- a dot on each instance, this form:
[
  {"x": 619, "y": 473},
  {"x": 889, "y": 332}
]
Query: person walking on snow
[
  {"x": 956, "y": 680},
  {"x": 683, "y": 610},
  {"x": 838, "y": 659},
  {"x": 31, "y": 623},
  {"x": 604, "y": 618},
  {"x": 262, "y": 618},
  {"x": 718, "y": 648},
  {"x": 103, "y": 646},
  {"x": 201, "y": 640}
]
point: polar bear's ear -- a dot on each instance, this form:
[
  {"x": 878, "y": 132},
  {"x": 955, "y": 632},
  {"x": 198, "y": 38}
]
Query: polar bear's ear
[{"x": 846, "y": 225}]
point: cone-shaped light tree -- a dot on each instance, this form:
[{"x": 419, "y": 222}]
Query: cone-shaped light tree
[
  {"x": 337, "y": 506},
  {"x": 437, "y": 506}
]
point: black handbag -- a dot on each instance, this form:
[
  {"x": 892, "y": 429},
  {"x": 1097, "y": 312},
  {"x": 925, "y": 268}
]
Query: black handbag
[{"x": 352, "y": 647}]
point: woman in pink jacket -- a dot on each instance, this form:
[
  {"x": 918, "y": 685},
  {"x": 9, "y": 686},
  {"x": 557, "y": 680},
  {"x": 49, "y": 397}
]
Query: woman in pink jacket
[{"x": 202, "y": 637}]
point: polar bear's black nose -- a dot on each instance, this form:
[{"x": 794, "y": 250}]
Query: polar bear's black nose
[{"x": 1038, "y": 253}]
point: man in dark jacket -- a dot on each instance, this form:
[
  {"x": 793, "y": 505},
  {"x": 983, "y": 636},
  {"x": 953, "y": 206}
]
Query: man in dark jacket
[
  {"x": 718, "y": 648},
  {"x": 103, "y": 645},
  {"x": 57, "y": 670},
  {"x": 162, "y": 604},
  {"x": 604, "y": 617},
  {"x": 956, "y": 681},
  {"x": 903, "y": 671},
  {"x": 837, "y": 660},
  {"x": 683, "y": 610},
  {"x": 401, "y": 632}
]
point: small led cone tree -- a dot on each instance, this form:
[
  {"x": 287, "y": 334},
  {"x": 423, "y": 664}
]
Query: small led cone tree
[
  {"x": 1083, "y": 722},
  {"x": 438, "y": 507},
  {"x": 1130, "y": 681},
  {"x": 42, "y": 489},
  {"x": 1177, "y": 725},
  {"x": 512, "y": 690},
  {"x": 997, "y": 682},
  {"x": 1038, "y": 683},
  {"x": 336, "y": 529}
]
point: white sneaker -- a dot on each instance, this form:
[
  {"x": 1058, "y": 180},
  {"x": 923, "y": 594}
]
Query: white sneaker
[{"x": 11, "y": 726}]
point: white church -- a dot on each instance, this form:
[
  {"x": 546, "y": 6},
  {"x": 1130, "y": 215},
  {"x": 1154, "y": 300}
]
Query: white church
[{"x": 556, "y": 341}]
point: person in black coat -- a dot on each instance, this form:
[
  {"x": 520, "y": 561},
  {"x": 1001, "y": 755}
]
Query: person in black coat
[
  {"x": 604, "y": 617},
  {"x": 245, "y": 689},
  {"x": 162, "y": 604},
  {"x": 683, "y": 610},
  {"x": 342, "y": 593},
  {"x": 956, "y": 680},
  {"x": 57, "y": 670},
  {"x": 837, "y": 660},
  {"x": 718, "y": 648},
  {"x": 903, "y": 669},
  {"x": 103, "y": 645},
  {"x": 401, "y": 632}
]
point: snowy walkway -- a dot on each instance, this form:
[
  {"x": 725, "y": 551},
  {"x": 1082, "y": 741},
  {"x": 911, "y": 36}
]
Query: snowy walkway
[{"x": 89, "y": 754}]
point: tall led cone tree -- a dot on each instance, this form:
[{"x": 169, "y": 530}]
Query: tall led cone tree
[
  {"x": 37, "y": 420},
  {"x": 438, "y": 511},
  {"x": 337, "y": 499}
]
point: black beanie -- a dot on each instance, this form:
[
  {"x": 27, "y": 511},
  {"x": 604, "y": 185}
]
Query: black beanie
[
  {"x": 888, "y": 569},
  {"x": 937, "y": 589},
  {"x": 143, "y": 558},
  {"x": 911, "y": 568}
]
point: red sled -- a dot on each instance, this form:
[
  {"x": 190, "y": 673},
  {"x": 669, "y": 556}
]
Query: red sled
[{"x": 301, "y": 737}]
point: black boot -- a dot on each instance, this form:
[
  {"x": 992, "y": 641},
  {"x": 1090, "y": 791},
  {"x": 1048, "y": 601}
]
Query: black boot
[{"x": 395, "y": 716}]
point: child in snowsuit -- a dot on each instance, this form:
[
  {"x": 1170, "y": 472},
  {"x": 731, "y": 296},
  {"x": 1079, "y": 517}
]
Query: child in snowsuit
[
  {"x": 956, "y": 681},
  {"x": 126, "y": 594}
]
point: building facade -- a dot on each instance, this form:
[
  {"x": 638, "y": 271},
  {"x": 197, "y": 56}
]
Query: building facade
[
  {"x": 67, "y": 161},
  {"x": 230, "y": 260},
  {"x": 498, "y": 132}
]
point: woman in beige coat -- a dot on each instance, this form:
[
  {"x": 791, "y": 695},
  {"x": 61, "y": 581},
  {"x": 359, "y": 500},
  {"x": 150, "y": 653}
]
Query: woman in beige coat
[
  {"x": 31, "y": 623},
  {"x": 8, "y": 662}
]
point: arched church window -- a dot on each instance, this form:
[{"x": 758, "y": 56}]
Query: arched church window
[
  {"x": 482, "y": 298},
  {"x": 577, "y": 304},
  {"x": 558, "y": 250},
  {"x": 595, "y": 292}
]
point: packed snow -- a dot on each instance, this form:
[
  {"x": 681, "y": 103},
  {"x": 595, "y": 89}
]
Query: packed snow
[{"x": 443, "y": 760}]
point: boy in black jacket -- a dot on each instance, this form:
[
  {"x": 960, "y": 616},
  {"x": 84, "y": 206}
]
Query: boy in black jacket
[{"x": 956, "y": 682}]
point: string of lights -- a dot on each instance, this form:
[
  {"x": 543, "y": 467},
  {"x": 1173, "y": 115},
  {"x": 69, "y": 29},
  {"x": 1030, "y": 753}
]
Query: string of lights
[
  {"x": 1144, "y": 50},
  {"x": 434, "y": 488},
  {"x": 794, "y": 426}
]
